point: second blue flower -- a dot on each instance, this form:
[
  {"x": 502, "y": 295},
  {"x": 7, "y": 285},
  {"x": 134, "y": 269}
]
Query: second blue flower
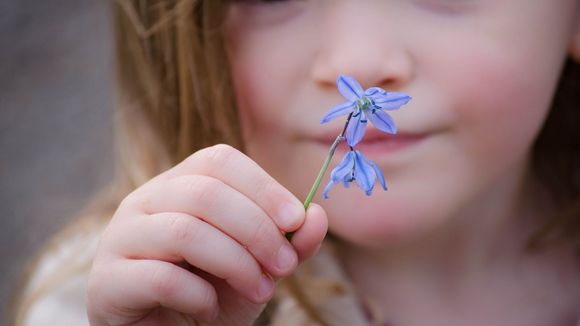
[{"x": 356, "y": 167}]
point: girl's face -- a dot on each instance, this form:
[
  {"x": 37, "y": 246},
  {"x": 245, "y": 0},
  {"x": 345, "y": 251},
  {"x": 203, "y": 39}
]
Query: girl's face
[{"x": 481, "y": 73}]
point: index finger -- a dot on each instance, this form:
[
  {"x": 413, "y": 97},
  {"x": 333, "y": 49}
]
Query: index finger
[{"x": 237, "y": 170}]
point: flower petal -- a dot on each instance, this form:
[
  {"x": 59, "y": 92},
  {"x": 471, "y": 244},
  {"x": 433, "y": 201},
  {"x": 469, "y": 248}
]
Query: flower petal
[
  {"x": 383, "y": 121},
  {"x": 340, "y": 172},
  {"x": 356, "y": 128},
  {"x": 378, "y": 172},
  {"x": 349, "y": 88},
  {"x": 390, "y": 100},
  {"x": 327, "y": 189},
  {"x": 347, "y": 180},
  {"x": 375, "y": 91},
  {"x": 338, "y": 110},
  {"x": 343, "y": 168},
  {"x": 364, "y": 174}
]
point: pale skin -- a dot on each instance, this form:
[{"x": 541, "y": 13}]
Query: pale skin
[
  {"x": 443, "y": 246},
  {"x": 223, "y": 215}
]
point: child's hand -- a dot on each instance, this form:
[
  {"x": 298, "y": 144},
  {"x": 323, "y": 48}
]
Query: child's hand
[{"x": 203, "y": 239}]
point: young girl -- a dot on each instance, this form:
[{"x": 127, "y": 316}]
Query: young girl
[{"x": 480, "y": 222}]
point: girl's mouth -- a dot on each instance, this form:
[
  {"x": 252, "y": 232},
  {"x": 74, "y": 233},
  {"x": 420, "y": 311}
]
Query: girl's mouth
[
  {"x": 386, "y": 143},
  {"x": 376, "y": 143}
]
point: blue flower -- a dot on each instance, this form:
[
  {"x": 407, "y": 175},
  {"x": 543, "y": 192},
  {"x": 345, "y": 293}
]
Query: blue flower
[
  {"x": 370, "y": 104},
  {"x": 356, "y": 167}
]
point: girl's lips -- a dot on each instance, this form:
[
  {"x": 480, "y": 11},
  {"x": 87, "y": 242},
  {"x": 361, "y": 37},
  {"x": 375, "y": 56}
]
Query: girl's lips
[
  {"x": 376, "y": 142},
  {"x": 388, "y": 144}
]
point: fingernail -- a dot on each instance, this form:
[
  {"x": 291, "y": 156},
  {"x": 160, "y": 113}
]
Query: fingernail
[
  {"x": 288, "y": 216},
  {"x": 286, "y": 258},
  {"x": 265, "y": 287}
]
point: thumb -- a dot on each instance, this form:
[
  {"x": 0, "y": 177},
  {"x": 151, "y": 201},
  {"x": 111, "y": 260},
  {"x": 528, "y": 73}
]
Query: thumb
[{"x": 308, "y": 238}]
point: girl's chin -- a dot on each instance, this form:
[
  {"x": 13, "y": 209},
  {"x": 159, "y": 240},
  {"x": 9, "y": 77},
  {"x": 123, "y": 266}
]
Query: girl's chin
[{"x": 378, "y": 229}]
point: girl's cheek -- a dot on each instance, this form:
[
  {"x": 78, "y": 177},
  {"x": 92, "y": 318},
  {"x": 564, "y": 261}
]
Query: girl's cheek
[{"x": 498, "y": 94}]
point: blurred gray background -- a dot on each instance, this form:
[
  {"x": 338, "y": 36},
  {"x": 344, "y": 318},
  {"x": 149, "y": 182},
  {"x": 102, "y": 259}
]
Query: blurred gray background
[{"x": 55, "y": 121}]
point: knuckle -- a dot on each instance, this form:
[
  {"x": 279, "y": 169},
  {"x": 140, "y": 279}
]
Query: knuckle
[
  {"x": 265, "y": 188},
  {"x": 262, "y": 235},
  {"x": 99, "y": 303},
  {"x": 201, "y": 188},
  {"x": 223, "y": 150},
  {"x": 137, "y": 199},
  {"x": 207, "y": 300},
  {"x": 183, "y": 229},
  {"x": 218, "y": 155},
  {"x": 127, "y": 201},
  {"x": 93, "y": 286},
  {"x": 165, "y": 282},
  {"x": 246, "y": 267}
]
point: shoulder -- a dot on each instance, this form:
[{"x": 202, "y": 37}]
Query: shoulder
[
  {"x": 318, "y": 287},
  {"x": 62, "y": 306},
  {"x": 56, "y": 289}
]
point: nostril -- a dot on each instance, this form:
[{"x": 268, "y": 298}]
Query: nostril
[
  {"x": 323, "y": 74},
  {"x": 326, "y": 84},
  {"x": 389, "y": 67},
  {"x": 390, "y": 76},
  {"x": 392, "y": 84}
]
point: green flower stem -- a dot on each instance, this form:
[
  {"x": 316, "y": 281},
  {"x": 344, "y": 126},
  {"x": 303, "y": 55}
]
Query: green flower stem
[{"x": 322, "y": 172}]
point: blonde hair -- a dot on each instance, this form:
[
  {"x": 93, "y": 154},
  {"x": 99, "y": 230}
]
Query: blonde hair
[{"x": 176, "y": 96}]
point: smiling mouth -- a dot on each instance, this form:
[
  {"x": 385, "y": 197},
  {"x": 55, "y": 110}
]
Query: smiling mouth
[
  {"x": 377, "y": 143},
  {"x": 387, "y": 143}
]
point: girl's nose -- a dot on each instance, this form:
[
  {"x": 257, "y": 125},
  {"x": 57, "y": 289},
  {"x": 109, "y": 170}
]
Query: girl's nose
[{"x": 360, "y": 38}]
